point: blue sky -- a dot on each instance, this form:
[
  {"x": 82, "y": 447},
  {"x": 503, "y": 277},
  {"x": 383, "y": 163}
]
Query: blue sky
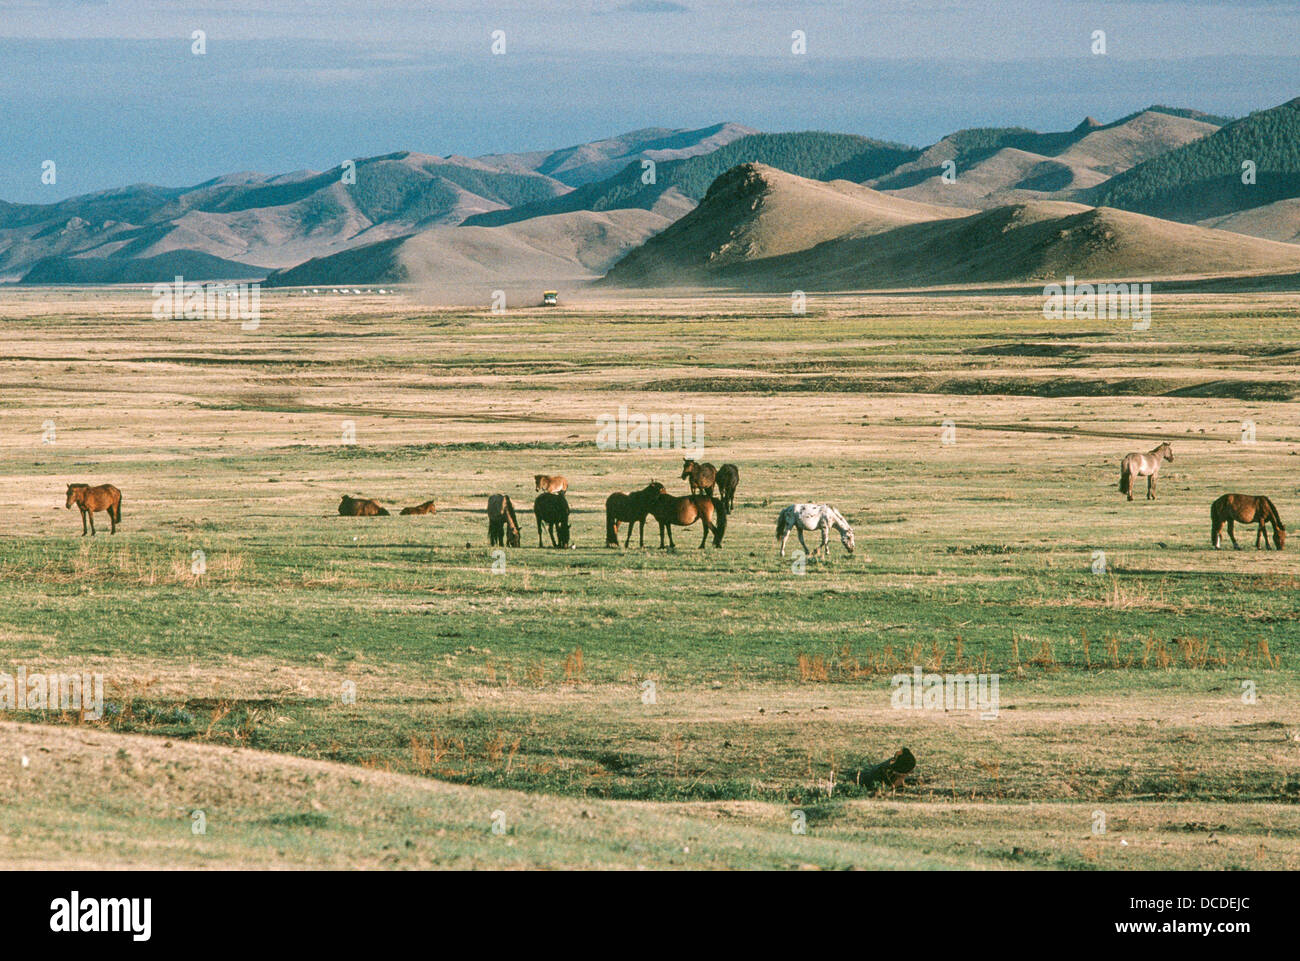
[{"x": 110, "y": 90}]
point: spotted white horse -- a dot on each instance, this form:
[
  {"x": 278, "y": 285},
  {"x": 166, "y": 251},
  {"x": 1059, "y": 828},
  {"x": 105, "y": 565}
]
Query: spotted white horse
[{"x": 813, "y": 517}]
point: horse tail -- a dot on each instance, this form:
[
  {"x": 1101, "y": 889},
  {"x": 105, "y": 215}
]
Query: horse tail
[
  {"x": 1125, "y": 480},
  {"x": 117, "y": 510},
  {"x": 780, "y": 525}
]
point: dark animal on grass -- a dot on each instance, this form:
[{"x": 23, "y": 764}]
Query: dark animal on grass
[
  {"x": 105, "y": 497},
  {"x": 556, "y": 484},
  {"x": 1248, "y": 509},
  {"x": 891, "y": 774},
  {"x": 503, "y": 526},
  {"x": 685, "y": 511},
  {"x": 428, "y": 507},
  {"x": 728, "y": 478},
  {"x": 552, "y": 510},
  {"x": 360, "y": 507},
  {"x": 1143, "y": 465},
  {"x": 630, "y": 509},
  {"x": 702, "y": 477}
]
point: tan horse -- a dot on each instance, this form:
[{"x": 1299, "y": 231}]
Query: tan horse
[
  {"x": 1247, "y": 509},
  {"x": 503, "y": 526},
  {"x": 685, "y": 511},
  {"x": 1143, "y": 465},
  {"x": 360, "y": 507},
  {"x": 428, "y": 507},
  {"x": 551, "y": 485},
  {"x": 105, "y": 497},
  {"x": 701, "y": 477}
]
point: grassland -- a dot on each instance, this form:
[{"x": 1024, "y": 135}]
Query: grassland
[{"x": 522, "y": 690}]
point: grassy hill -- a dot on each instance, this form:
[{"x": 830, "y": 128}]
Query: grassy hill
[{"x": 1204, "y": 179}]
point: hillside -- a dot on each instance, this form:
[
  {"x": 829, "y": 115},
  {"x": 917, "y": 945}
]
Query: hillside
[
  {"x": 996, "y": 166},
  {"x": 754, "y": 212},
  {"x": 815, "y": 155},
  {"x": 189, "y": 264},
  {"x": 725, "y": 242},
  {"x": 1203, "y": 179},
  {"x": 579, "y": 245}
]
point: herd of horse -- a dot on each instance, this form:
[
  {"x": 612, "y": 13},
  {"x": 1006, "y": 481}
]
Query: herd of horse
[{"x": 551, "y": 509}]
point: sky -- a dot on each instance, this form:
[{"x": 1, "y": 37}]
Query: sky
[{"x": 113, "y": 92}]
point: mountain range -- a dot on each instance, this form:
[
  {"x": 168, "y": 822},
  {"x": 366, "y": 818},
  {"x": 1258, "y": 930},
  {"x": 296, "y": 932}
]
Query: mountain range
[{"x": 1162, "y": 190}]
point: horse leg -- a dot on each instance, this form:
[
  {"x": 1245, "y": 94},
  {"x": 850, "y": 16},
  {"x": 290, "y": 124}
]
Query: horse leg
[
  {"x": 782, "y": 538},
  {"x": 802, "y": 542},
  {"x": 83, "y": 522},
  {"x": 539, "y": 533},
  {"x": 1216, "y": 533},
  {"x": 707, "y": 528},
  {"x": 1151, "y": 487},
  {"x": 1232, "y": 534},
  {"x": 1261, "y": 535}
]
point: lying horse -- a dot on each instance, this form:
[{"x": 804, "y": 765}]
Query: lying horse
[
  {"x": 503, "y": 527},
  {"x": 428, "y": 507},
  {"x": 553, "y": 511},
  {"x": 685, "y": 511},
  {"x": 812, "y": 517},
  {"x": 1249, "y": 510},
  {"x": 360, "y": 507},
  {"x": 630, "y": 509},
  {"x": 1143, "y": 465},
  {"x": 728, "y": 478},
  {"x": 701, "y": 476},
  {"x": 891, "y": 774},
  {"x": 552, "y": 485},
  {"x": 105, "y": 497}
]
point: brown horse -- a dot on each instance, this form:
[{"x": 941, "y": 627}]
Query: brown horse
[
  {"x": 1143, "y": 465},
  {"x": 702, "y": 477},
  {"x": 728, "y": 478},
  {"x": 685, "y": 511},
  {"x": 1248, "y": 509},
  {"x": 105, "y": 497},
  {"x": 503, "y": 526},
  {"x": 360, "y": 507},
  {"x": 552, "y": 485},
  {"x": 553, "y": 511},
  {"x": 428, "y": 507},
  {"x": 630, "y": 508}
]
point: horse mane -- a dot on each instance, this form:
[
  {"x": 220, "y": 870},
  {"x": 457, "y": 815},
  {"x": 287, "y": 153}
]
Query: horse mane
[{"x": 1273, "y": 514}]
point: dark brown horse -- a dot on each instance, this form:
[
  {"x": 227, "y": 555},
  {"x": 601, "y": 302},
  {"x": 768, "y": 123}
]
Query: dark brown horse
[
  {"x": 105, "y": 497},
  {"x": 428, "y": 507},
  {"x": 1248, "y": 509},
  {"x": 360, "y": 507},
  {"x": 702, "y": 477},
  {"x": 630, "y": 509},
  {"x": 553, "y": 511},
  {"x": 685, "y": 511},
  {"x": 728, "y": 478},
  {"x": 556, "y": 484},
  {"x": 503, "y": 526}
]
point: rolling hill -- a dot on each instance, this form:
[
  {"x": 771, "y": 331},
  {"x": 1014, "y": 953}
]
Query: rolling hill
[
  {"x": 563, "y": 247},
  {"x": 1203, "y": 179},
  {"x": 751, "y": 231}
]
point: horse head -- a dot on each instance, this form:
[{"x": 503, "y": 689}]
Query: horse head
[
  {"x": 72, "y": 495},
  {"x": 537, "y": 479},
  {"x": 688, "y": 468},
  {"x": 1169, "y": 452},
  {"x": 1279, "y": 536}
]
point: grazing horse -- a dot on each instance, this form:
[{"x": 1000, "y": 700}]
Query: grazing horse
[
  {"x": 1249, "y": 510},
  {"x": 552, "y": 485},
  {"x": 503, "y": 526},
  {"x": 701, "y": 476},
  {"x": 428, "y": 507},
  {"x": 553, "y": 511},
  {"x": 360, "y": 507},
  {"x": 631, "y": 509},
  {"x": 685, "y": 511},
  {"x": 812, "y": 517},
  {"x": 105, "y": 497},
  {"x": 728, "y": 478},
  {"x": 1143, "y": 465}
]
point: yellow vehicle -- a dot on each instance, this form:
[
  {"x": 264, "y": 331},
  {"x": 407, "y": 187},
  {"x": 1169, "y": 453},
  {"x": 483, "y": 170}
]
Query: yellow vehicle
[{"x": 548, "y": 297}]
